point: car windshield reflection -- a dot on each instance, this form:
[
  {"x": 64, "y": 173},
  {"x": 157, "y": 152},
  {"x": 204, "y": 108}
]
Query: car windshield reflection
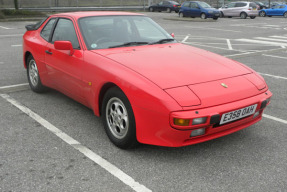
[{"x": 121, "y": 31}]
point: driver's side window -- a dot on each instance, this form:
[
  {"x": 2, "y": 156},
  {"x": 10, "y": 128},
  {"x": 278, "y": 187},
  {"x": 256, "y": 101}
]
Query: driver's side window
[{"x": 65, "y": 31}]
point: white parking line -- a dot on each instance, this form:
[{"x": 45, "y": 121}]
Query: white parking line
[
  {"x": 5, "y": 27},
  {"x": 199, "y": 44},
  {"x": 213, "y": 29},
  {"x": 275, "y": 118},
  {"x": 14, "y": 35},
  {"x": 262, "y": 42},
  {"x": 282, "y": 37},
  {"x": 185, "y": 39},
  {"x": 16, "y": 45},
  {"x": 275, "y": 56},
  {"x": 271, "y": 39},
  {"x": 75, "y": 144},
  {"x": 274, "y": 76},
  {"x": 229, "y": 44}
]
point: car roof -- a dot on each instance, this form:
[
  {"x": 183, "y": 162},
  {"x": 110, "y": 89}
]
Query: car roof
[{"x": 78, "y": 15}]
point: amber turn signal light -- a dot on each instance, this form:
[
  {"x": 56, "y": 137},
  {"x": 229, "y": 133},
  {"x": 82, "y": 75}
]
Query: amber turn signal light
[{"x": 181, "y": 122}]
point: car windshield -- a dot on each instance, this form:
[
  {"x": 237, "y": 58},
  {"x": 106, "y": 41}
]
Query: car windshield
[
  {"x": 204, "y": 5},
  {"x": 103, "y": 32}
]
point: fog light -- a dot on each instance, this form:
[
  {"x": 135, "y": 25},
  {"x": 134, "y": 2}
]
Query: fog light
[
  {"x": 181, "y": 122},
  {"x": 256, "y": 114},
  {"x": 198, "y": 121},
  {"x": 197, "y": 132}
]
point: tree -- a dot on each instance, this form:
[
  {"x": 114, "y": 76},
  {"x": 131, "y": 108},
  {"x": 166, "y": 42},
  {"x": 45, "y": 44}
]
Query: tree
[{"x": 16, "y": 4}]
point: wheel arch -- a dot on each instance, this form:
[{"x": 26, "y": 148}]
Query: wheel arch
[
  {"x": 26, "y": 56},
  {"x": 102, "y": 93}
]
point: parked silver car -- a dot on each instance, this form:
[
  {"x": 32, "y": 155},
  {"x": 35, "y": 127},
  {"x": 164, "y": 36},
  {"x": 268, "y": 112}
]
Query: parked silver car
[{"x": 239, "y": 9}]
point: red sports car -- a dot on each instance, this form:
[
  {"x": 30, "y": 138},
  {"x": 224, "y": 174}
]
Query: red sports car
[{"x": 147, "y": 87}]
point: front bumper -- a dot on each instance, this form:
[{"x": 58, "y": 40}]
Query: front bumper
[{"x": 155, "y": 128}]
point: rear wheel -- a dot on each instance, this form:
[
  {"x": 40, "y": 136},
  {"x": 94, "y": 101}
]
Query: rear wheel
[
  {"x": 33, "y": 76},
  {"x": 252, "y": 17},
  {"x": 285, "y": 15},
  {"x": 118, "y": 119},
  {"x": 262, "y": 14},
  {"x": 243, "y": 15},
  {"x": 203, "y": 16},
  {"x": 168, "y": 10}
]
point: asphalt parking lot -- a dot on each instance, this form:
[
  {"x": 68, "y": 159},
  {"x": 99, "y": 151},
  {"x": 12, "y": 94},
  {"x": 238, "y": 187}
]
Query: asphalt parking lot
[{"x": 49, "y": 142}]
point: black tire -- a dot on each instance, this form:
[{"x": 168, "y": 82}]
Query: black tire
[
  {"x": 203, "y": 16},
  {"x": 180, "y": 15},
  {"x": 151, "y": 9},
  {"x": 262, "y": 14},
  {"x": 252, "y": 17},
  {"x": 118, "y": 119},
  {"x": 168, "y": 10},
  {"x": 243, "y": 15},
  {"x": 33, "y": 76},
  {"x": 215, "y": 18},
  {"x": 285, "y": 15},
  {"x": 269, "y": 15},
  {"x": 221, "y": 14},
  {"x": 229, "y": 17}
]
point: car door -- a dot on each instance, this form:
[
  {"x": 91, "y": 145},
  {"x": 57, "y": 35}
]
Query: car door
[
  {"x": 228, "y": 11},
  {"x": 239, "y": 7},
  {"x": 65, "y": 70},
  {"x": 273, "y": 10},
  {"x": 194, "y": 9},
  {"x": 280, "y": 10},
  {"x": 160, "y": 6},
  {"x": 185, "y": 9}
]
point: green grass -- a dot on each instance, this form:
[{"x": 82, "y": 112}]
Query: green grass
[{"x": 19, "y": 13}]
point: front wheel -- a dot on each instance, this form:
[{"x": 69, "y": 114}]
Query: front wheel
[
  {"x": 203, "y": 16},
  {"x": 151, "y": 9},
  {"x": 262, "y": 14},
  {"x": 118, "y": 119},
  {"x": 181, "y": 15},
  {"x": 252, "y": 17},
  {"x": 33, "y": 76},
  {"x": 285, "y": 15},
  {"x": 243, "y": 15},
  {"x": 168, "y": 10}
]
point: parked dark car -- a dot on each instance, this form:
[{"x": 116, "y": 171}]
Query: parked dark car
[
  {"x": 198, "y": 9},
  {"x": 167, "y": 6},
  {"x": 260, "y": 5}
]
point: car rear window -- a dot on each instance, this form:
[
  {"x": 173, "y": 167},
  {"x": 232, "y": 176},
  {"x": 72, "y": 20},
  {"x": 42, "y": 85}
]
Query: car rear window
[{"x": 253, "y": 5}]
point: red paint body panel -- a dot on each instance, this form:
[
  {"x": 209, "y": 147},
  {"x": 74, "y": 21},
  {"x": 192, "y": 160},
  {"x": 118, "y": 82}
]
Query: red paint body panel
[
  {"x": 178, "y": 64},
  {"x": 161, "y": 81}
]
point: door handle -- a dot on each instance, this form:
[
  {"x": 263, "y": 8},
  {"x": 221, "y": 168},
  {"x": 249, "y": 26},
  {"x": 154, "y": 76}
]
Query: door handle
[{"x": 48, "y": 52}]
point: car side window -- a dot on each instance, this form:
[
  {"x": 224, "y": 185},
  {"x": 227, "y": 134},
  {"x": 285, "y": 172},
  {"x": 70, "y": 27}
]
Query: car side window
[
  {"x": 240, "y": 4},
  {"x": 160, "y": 3},
  {"x": 165, "y": 3},
  {"x": 231, "y": 5},
  {"x": 193, "y": 5},
  {"x": 46, "y": 31},
  {"x": 65, "y": 31}
]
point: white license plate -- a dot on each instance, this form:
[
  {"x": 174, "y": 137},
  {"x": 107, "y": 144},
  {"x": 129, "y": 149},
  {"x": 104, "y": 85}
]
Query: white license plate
[{"x": 237, "y": 114}]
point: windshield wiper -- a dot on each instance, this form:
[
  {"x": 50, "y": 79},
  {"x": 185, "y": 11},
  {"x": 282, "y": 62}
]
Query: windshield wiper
[
  {"x": 161, "y": 41},
  {"x": 129, "y": 44}
]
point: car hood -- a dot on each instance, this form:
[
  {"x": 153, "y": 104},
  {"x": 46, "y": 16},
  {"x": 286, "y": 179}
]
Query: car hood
[{"x": 175, "y": 65}]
